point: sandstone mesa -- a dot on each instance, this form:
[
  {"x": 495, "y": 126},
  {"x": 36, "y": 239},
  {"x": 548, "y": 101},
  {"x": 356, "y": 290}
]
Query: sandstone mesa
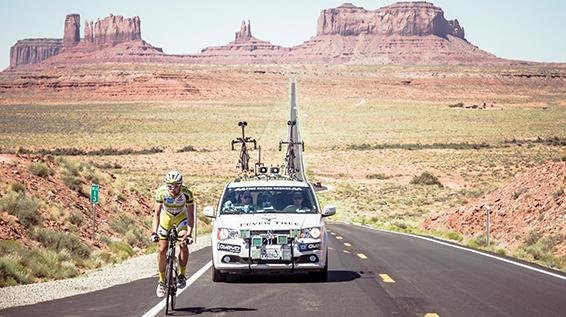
[{"x": 401, "y": 33}]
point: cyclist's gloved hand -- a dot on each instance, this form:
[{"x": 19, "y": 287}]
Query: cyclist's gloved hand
[
  {"x": 154, "y": 237},
  {"x": 188, "y": 240}
]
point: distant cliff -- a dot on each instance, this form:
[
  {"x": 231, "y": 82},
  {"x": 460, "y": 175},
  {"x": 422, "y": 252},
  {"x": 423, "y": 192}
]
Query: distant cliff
[
  {"x": 403, "y": 18},
  {"x": 107, "y": 32},
  {"x": 401, "y": 33},
  {"x": 32, "y": 51}
]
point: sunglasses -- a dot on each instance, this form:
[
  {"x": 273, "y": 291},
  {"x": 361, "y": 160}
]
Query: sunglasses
[
  {"x": 173, "y": 186},
  {"x": 297, "y": 198},
  {"x": 247, "y": 197}
]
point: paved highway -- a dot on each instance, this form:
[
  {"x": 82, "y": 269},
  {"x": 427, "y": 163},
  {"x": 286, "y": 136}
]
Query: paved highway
[{"x": 371, "y": 273}]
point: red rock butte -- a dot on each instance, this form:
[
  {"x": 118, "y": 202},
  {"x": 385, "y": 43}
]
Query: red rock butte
[{"x": 402, "y": 33}]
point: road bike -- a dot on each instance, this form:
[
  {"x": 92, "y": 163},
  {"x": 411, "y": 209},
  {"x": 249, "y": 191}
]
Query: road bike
[
  {"x": 243, "y": 163},
  {"x": 171, "y": 271}
]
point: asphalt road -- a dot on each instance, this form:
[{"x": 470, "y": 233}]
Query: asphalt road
[{"x": 371, "y": 273}]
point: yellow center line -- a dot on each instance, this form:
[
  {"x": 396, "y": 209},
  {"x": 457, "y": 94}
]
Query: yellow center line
[
  {"x": 432, "y": 315},
  {"x": 346, "y": 251},
  {"x": 362, "y": 256},
  {"x": 386, "y": 278},
  {"x": 347, "y": 244},
  {"x": 339, "y": 238}
]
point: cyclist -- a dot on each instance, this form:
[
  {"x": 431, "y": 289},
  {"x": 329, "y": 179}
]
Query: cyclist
[{"x": 173, "y": 207}]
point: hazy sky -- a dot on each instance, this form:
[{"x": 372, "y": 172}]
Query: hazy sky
[{"x": 517, "y": 29}]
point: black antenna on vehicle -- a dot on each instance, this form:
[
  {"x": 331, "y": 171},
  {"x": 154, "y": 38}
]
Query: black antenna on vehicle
[
  {"x": 244, "y": 155},
  {"x": 258, "y": 164}
]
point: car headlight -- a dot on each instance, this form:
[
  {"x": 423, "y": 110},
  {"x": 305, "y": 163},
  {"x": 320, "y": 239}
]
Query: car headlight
[
  {"x": 226, "y": 234},
  {"x": 313, "y": 233}
]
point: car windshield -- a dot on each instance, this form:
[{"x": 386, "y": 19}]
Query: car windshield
[{"x": 278, "y": 199}]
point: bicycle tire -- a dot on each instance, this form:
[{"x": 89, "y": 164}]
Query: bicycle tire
[
  {"x": 175, "y": 273},
  {"x": 168, "y": 280},
  {"x": 245, "y": 157}
]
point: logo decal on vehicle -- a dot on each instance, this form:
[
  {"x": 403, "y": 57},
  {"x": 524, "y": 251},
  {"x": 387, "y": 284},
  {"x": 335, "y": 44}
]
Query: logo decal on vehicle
[
  {"x": 229, "y": 248},
  {"x": 309, "y": 246}
]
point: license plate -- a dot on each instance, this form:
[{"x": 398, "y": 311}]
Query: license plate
[{"x": 270, "y": 253}]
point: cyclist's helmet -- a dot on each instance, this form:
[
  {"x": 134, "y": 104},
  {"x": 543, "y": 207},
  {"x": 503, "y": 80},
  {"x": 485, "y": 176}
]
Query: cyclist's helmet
[{"x": 173, "y": 177}]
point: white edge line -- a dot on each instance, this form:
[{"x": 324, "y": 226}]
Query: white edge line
[
  {"x": 157, "y": 308},
  {"x": 466, "y": 249}
]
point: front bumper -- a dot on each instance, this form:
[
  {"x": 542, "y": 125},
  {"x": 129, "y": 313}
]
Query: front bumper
[{"x": 240, "y": 257}]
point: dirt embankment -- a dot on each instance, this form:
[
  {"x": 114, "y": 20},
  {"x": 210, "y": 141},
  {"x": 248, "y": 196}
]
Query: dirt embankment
[
  {"x": 58, "y": 191},
  {"x": 531, "y": 205}
]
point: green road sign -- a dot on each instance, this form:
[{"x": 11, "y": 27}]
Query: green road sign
[{"x": 94, "y": 193}]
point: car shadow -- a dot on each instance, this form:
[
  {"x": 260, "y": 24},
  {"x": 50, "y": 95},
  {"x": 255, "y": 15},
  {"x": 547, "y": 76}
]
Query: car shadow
[
  {"x": 336, "y": 276},
  {"x": 187, "y": 311}
]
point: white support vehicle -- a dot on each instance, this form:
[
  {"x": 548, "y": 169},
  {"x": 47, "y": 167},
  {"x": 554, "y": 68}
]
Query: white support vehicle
[
  {"x": 267, "y": 221},
  {"x": 272, "y": 231}
]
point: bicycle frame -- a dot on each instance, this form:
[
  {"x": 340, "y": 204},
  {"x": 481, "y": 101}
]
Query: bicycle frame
[{"x": 243, "y": 162}]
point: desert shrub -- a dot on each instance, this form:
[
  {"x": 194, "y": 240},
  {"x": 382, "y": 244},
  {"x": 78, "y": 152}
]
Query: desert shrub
[
  {"x": 419, "y": 146},
  {"x": 73, "y": 182},
  {"x": 454, "y": 236},
  {"x": 517, "y": 193},
  {"x": 23, "y": 207},
  {"x": 360, "y": 147},
  {"x": 400, "y": 224},
  {"x": 40, "y": 169},
  {"x": 121, "y": 197},
  {"x": 133, "y": 233},
  {"x": 21, "y": 265},
  {"x": 69, "y": 167},
  {"x": 75, "y": 151},
  {"x": 106, "y": 257},
  {"x": 12, "y": 273},
  {"x": 17, "y": 187},
  {"x": 377, "y": 176},
  {"x": 136, "y": 237},
  {"x": 91, "y": 173},
  {"x": 76, "y": 218},
  {"x": 501, "y": 251},
  {"x": 533, "y": 237},
  {"x": 188, "y": 148},
  {"x": 122, "y": 250},
  {"x": 107, "y": 165},
  {"x": 48, "y": 264},
  {"x": 426, "y": 178},
  {"x": 478, "y": 241},
  {"x": 106, "y": 240},
  {"x": 57, "y": 213},
  {"x": 58, "y": 241},
  {"x": 122, "y": 223},
  {"x": 457, "y": 105},
  {"x": 557, "y": 193}
]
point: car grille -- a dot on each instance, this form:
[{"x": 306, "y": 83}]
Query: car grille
[{"x": 269, "y": 237}]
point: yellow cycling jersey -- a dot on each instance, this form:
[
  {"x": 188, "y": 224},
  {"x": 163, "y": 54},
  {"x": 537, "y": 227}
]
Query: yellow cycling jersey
[{"x": 174, "y": 205}]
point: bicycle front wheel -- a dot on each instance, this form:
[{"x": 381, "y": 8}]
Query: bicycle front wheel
[
  {"x": 175, "y": 273},
  {"x": 170, "y": 283}
]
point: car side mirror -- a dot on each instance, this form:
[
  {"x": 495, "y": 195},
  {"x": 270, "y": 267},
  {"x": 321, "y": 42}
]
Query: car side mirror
[
  {"x": 209, "y": 211},
  {"x": 329, "y": 210}
]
